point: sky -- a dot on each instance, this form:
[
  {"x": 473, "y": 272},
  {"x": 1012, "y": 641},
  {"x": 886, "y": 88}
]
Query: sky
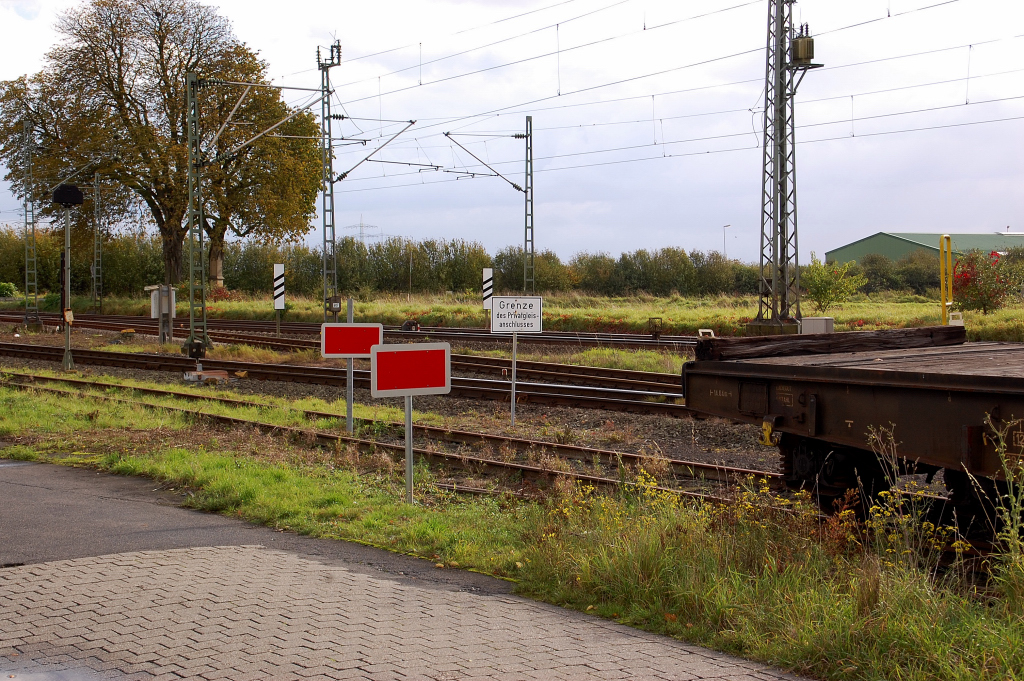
[{"x": 646, "y": 115}]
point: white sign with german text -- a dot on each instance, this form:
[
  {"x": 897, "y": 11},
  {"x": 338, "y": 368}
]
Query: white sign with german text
[{"x": 517, "y": 314}]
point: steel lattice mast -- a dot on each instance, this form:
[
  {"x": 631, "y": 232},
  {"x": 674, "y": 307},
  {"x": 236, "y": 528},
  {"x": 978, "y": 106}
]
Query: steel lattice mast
[
  {"x": 789, "y": 56},
  {"x": 332, "y": 301},
  {"x": 196, "y": 241},
  {"x": 528, "y": 271},
  {"x": 97, "y": 248},
  {"x": 32, "y": 319}
]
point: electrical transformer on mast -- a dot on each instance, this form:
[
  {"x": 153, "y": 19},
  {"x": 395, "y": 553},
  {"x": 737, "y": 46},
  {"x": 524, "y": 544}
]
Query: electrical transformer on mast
[{"x": 789, "y": 57}]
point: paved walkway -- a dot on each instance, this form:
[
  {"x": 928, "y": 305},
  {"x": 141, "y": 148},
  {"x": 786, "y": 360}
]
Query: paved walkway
[{"x": 246, "y": 611}]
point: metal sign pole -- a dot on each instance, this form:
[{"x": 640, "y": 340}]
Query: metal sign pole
[
  {"x": 350, "y": 379},
  {"x": 515, "y": 339},
  {"x": 69, "y": 363},
  {"x": 408, "y": 449}
]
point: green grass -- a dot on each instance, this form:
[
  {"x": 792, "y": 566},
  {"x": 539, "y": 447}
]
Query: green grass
[
  {"x": 317, "y": 498},
  {"x": 725, "y": 315},
  {"x": 610, "y": 358},
  {"x": 272, "y": 410},
  {"x": 770, "y": 586},
  {"x": 339, "y": 504},
  {"x": 747, "y": 578}
]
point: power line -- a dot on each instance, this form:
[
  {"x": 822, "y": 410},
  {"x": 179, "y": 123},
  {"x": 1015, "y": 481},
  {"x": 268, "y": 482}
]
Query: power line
[
  {"x": 569, "y": 49},
  {"x": 465, "y": 30},
  {"x": 740, "y": 110},
  {"x": 888, "y": 16},
  {"x": 468, "y": 30},
  {"x": 801, "y": 102},
  {"x": 448, "y": 119},
  {"x": 482, "y": 47},
  {"x": 498, "y": 111},
  {"x": 714, "y": 151}
]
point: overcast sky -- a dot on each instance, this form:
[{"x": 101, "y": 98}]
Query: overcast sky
[{"x": 660, "y": 99}]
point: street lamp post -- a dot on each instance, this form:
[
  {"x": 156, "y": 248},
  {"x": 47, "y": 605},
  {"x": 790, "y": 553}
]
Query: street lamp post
[{"x": 725, "y": 251}]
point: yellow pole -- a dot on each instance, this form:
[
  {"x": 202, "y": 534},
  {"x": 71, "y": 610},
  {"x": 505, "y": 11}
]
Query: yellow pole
[{"x": 946, "y": 275}]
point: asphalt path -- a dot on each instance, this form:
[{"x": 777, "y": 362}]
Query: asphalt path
[{"x": 51, "y": 512}]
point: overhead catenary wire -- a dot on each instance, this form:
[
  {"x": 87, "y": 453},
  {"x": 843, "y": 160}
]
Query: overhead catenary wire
[
  {"x": 466, "y": 30},
  {"x": 486, "y": 165},
  {"x": 568, "y": 49},
  {"x": 743, "y": 109},
  {"x": 718, "y": 151},
  {"x": 646, "y": 28},
  {"x": 504, "y": 110},
  {"x": 755, "y": 147},
  {"x": 485, "y": 46}
]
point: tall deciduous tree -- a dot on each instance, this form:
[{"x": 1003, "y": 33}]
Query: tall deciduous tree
[
  {"x": 111, "y": 98},
  {"x": 268, "y": 189}
]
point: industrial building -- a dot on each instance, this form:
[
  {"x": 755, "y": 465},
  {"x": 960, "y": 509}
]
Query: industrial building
[{"x": 895, "y": 245}]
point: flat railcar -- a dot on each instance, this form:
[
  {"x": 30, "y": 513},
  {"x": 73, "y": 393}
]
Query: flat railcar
[{"x": 820, "y": 399}]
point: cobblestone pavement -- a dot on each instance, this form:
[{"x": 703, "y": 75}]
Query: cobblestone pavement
[{"x": 248, "y": 612}]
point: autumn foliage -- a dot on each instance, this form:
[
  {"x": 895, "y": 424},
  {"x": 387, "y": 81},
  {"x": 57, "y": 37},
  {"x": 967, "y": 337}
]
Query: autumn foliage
[{"x": 979, "y": 282}]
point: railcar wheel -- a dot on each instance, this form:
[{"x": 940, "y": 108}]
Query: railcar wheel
[
  {"x": 828, "y": 471},
  {"x": 972, "y": 504}
]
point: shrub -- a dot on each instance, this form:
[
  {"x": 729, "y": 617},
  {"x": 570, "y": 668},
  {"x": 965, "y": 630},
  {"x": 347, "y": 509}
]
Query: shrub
[
  {"x": 978, "y": 283},
  {"x": 880, "y": 273},
  {"x": 594, "y": 272},
  {"x": 829, "y": 284},
  {"x": 918, "y": 271},
  {"x": 7, "y": 289}
]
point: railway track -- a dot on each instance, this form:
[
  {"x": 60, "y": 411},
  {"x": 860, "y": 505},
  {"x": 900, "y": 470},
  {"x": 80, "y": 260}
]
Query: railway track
[
  {"x": 437, "y": 333},
  {"x": 523, "y": 471},
  {"x": 494, "y": 366},
  {"x": 634, "y": 401},
  {"x": 679, "y": 468}
]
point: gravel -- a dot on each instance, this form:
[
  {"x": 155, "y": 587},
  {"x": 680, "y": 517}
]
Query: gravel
[{"x": 706, "y": 440}]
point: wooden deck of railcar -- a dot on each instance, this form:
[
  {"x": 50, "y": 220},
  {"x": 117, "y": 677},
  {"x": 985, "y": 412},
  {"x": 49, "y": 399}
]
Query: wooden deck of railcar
[{"x": 1001, "y": 360}]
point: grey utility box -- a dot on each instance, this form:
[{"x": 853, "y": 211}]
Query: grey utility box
[
  {"x": 154, "y": 302},
  {"x": 817, "y": 325}
]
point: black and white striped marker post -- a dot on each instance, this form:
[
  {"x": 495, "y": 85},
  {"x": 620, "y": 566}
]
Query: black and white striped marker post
[
  {"x": 278, "y": 293},
  {"x": 488, "y": 290},
  {"x": 488, "y": 287}
]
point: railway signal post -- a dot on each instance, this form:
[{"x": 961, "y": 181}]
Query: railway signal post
[
  {"x": 67, "y": 195},
  {"x": 349, "y": 341},
  {"x": 516, "y": 314},
  {"x": 405, "y": 370}
]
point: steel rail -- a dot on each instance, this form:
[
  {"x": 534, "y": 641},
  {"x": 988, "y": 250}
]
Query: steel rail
[
  {"x": 680, "y": 468},
  {"x": 460, "y": 334},
  {"x": 527, "y": 471},
  {"x": 602, "y": 377},
  {"x": 475, "y": 464},
  {"x": 540, "y": 393}
]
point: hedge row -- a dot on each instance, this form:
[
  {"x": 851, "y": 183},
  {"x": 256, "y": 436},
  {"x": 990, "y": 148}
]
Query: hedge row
[{"x": 132, "y": 261}]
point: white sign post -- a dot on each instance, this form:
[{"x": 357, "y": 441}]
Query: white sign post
[
  {"x": 515, "y": 315},
  {"x": 278, "y": 294}
]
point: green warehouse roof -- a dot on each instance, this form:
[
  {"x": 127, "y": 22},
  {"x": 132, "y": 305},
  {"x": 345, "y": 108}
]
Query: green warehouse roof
[{"x": 895, "y": 245}]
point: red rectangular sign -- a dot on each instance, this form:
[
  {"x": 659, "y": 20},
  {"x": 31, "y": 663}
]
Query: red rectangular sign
[
  {"x": 349, "y": 340},
  {"x": 410, "y": 369}
]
